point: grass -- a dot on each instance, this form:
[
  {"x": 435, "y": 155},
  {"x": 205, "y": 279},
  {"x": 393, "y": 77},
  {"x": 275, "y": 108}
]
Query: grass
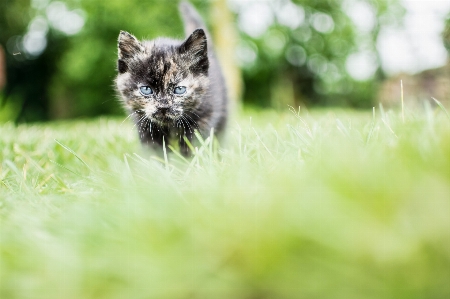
[{"x": 321, "y": 204}]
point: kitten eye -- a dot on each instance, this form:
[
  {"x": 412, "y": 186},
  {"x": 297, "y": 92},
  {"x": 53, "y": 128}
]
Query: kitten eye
[
  {"x": 146, "y": 90},
  {"x": 179, "y": 90}
]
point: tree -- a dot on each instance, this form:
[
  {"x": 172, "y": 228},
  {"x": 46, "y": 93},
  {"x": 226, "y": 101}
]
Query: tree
[
  {"x": 304, "y": 51},
  {"x": 28, "y": 75},
  {"x": 67, "y": 70},
  {"x": 61, "y": 55},
  {"x": 446, "y": 34}
]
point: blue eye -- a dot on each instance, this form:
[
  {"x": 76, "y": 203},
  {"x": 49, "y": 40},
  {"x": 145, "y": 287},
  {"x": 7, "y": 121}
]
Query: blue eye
[
  {"x": 146, "y": 90},
  {"x": 179, "y": 90}
]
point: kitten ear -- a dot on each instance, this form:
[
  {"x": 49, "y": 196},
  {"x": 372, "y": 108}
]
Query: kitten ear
[
  {"x": 196, "y": 47},
  {"x": 195, "y": 43},
  {"x": 128, "y": 46}
]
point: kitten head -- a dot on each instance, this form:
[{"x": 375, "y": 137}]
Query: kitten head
[{"x": 164, "y": 78}]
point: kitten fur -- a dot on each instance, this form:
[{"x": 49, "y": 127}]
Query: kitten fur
[{"x": 163, "y": 64}]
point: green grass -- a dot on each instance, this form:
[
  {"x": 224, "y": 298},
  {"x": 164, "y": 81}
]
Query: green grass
[{"x": 326, "y": 204}]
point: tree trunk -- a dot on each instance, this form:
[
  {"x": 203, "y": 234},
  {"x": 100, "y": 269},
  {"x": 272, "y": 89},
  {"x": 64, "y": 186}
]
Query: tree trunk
[
  {"x": 225, "y": 40},
  {"x": 2, "y": 68}
]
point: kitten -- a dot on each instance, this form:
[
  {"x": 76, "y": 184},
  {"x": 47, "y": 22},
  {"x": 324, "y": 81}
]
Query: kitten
[{"x": 172, "y": 87}]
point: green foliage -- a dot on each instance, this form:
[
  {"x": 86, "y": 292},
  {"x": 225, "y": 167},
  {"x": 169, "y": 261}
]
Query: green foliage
[
  {"x": 329, "y": 204},
  {"x": 446, "y": 34},
  {"x": 73, "y": 76},
  {"x": 307, "y": 64},
  {"x": 28, "y": 77}
]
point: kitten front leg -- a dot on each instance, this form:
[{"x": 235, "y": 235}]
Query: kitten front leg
[{"x": 153, "y": 136}]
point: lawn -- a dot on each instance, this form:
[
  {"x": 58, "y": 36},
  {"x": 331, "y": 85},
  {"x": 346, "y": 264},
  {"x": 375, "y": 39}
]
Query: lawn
[{"x": 296, "y": 204}]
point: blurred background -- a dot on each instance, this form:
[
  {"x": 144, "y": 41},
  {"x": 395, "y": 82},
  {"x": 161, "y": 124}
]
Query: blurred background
[{"x": 58, "y": 58}]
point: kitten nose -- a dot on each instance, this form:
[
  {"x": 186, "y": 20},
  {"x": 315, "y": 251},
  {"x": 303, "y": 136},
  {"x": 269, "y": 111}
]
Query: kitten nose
[{"x": 164, "y": 110}]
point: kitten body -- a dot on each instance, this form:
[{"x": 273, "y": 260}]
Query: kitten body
[{"x": 172, "y": 87}]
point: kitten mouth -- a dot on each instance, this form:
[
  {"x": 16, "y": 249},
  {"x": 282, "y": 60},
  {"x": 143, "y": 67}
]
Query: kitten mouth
[{"x": 163, "y": 118}]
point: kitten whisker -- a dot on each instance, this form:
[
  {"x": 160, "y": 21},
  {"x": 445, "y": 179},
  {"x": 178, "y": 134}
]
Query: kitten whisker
[
  {"x": 190, "y": 111},
  {"x": 139, "y": 121},
  {"x": 191, "y": 118},
  {"x": 186, "y": 121},
  {"x": 178, "y": 122},
  {"x": 127, "y": 117},
  {"x": 193, "y": 122},
  {"x": 183, "y": 120}
]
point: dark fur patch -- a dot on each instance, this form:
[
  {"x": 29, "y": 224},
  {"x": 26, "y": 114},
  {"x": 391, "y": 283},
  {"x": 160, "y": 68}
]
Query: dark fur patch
[{"x": 121, "y": 66}]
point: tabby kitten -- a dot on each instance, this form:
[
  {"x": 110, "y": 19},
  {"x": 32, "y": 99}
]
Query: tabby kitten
[{"x": 172, "y": 87}]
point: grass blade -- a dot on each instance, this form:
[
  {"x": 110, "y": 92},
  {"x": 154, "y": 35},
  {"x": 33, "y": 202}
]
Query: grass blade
[
  {"x": 442, "y": 107},
  {"x": 73, "y": 153}
]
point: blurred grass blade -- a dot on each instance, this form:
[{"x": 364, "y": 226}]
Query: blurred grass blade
[
  {"x": 166, "y": 161},
  {"x": 342, "y": 128},
  {"x": 264, "y": 145},
  {"x": 442, "y": 107},
  {"x": 73, "y": 153},
  {"x": 178, "y": 154},
  {"x": 64, "y": 167},
  {"x": 189, "y": 144},
  {"x": 12, "y": 166}
]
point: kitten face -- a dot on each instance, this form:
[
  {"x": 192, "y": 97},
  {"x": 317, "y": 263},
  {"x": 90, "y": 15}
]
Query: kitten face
[{"x": 162, "y": 80}]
